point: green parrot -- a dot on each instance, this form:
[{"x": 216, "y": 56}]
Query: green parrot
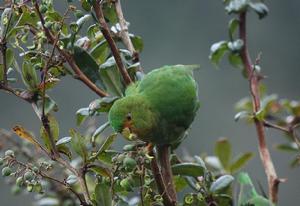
[{"x": 159, "y": 108}]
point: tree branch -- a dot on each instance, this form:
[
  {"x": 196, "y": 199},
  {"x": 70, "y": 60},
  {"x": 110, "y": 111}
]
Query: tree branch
[
  {"x": 27, "y": 98},
  {"x": 114, "y": 49},
  {"x": 124, "y": 34},
  {"x": 46, "y": 176},
  {"x": 162, "y": 189},
  {"x": 163, "y": 152},
  {"x": 3, "y": 47},
  {"x": 253, "y": 78},
  {"x": 79, "y": 74}
]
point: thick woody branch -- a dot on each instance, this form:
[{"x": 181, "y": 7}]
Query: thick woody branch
[
  {"x": 107, "y": 35},
  {"x": 159, "y": 179},
  {"x": 253, "y": 78}
]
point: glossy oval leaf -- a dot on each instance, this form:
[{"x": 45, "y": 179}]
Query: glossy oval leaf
[
  {"x": 100, "y": 52},
  {"x": 188, "y": 169},
  {"x": 112, "y": 78},
  {"x": 221, "y": 183},
  {"x": 88, "y": 65},
  {"x": 54, "y": 130},
  {"x": 240, "y": 162},
  {"x": 103, "y": 195},
  {"x": 29, "y": 76},
  {"x": 223, "y": 151}
]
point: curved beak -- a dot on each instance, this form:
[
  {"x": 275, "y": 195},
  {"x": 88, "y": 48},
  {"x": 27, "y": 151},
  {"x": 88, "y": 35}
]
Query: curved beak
[{"x": 127, "y": 134}]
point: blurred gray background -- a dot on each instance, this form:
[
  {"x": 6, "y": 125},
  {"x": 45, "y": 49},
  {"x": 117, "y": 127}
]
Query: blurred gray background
[{"x": 181, "y": 32}]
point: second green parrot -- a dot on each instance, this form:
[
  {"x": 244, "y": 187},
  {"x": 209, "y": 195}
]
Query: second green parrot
[{"x": 159, "y": 108}]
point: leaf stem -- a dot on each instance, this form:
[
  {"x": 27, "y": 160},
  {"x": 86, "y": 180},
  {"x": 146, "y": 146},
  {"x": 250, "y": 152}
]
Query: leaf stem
[{"x": 254, "y": 78}]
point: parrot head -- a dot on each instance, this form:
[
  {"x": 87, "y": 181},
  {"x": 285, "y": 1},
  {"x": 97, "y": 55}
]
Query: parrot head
[{"x": 132, "y": 117}]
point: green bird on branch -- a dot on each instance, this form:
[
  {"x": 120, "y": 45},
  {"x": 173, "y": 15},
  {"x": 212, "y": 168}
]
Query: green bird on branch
[{"x": 159, "y": 110}]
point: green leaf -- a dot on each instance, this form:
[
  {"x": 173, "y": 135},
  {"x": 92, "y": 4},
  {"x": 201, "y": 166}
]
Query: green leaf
[
  {"x": 240, "y": 162},
  {"x": 78, "y": 143},
  {"x": 236, "y": 45},
  {"x": 112, "y": 77},
  {"x": 6, "y": 15},
  {"x": 244, "y": 104},
  {"x": 100, "y": 170},
  {"x": 81, "y": 115},
  {"x": 85, "y": 5},
  {"x": 242, "y": 114},
  {"x": 137, "y": 42},
  {"x": 48, "y": 201},
  {"x": 100, "y": 52},
  {"x": 83, "y": 20},
  {"x": 247, "y": 190},
  {"x": 1, "y": 72},
  {"x": 223, "y": 199},
  {"x": 106, "y": 156},
  {"x": 109, "y": 12},
  {"x": 50, "y": 105},
  {"x": 260, "y": 201},
  {"x": 62, "y": 148},
  {"x": 9, "y": 57},
  {"x": 102, "y": 105},
  {"x": 188, "y": 169},
  {"x": 179, "y": 183},
  {"x": 29, "y": 76},
  {"x": 71, "y": 179},
  {"x": 54, "y": 130},
  {"x": 63, "y": 140},
  {"x": 103, "y": 195},
  {"x": 289, "y": 147},
  {"x": 200, "y": 161},
  {"x": 214, "y": 162},
  {"x": 260, "y": 8},
  {"x": 295, "y": 162},
  {"x": 223, "y": 151},
  {"x": 106, "y": 145},
  {"x": 260, "y": 115},
  {"x": 88, "y": 65},
  {"x": 221, "y": 183},
  {"x": 237, "y": 6},
  {"x": 233, "y": 25},
  {"x": 235, "y": 60},
  {"x": 98, "y": 131},
  {"x": 108, "y": 142},
  {"x": 268, "y": 101},
  {"x": 217, "y": 51}
]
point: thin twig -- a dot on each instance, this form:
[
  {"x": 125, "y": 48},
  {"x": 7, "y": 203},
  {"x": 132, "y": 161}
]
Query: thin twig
[
  {"x": 18, "y": 94},
  {"x": 275, "y": 126},
  {"x": 273, "y": 180},
  {"x": 107, "y": 35},
  {"x": 79, "y": 74},
  {"x": 63, "y": 183},
  {"x": 124, "y": 34}
]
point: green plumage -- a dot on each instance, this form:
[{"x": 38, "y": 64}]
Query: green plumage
[{"x": 159, "y": 108}]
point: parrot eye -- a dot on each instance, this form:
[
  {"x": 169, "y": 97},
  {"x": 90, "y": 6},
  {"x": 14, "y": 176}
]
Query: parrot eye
[{"x": 128, "y": 116}]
